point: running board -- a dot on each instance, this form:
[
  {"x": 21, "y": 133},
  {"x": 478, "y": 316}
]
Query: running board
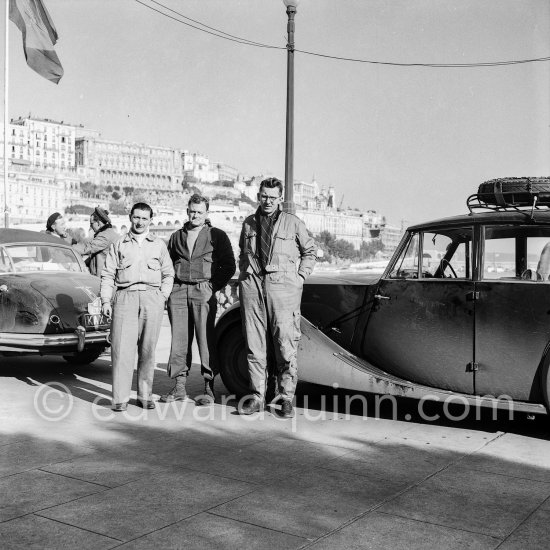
[{"x": 323, "y": 361}]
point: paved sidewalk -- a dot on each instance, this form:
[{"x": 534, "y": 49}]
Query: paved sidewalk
[{"x": 181, "y": 476}]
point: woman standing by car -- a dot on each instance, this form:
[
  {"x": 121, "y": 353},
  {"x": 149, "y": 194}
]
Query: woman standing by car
[{"x": 95, "y": 251}]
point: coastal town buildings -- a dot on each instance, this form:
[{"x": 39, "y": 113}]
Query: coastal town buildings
[
  {"x": 124, "y": 164},
  {"x": 41, "y": 173},
  {"x": 51, "y": 161},
  {"x": 197, "y": 168}
]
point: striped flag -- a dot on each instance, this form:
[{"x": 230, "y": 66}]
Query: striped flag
[{"x": 39, "y": 37}]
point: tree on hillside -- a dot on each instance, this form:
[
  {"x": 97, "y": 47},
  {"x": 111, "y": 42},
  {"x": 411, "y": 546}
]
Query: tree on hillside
[
  {"x": 78, "y": 209},
  {"x": 344, "y": 249},
  {"x": 117, "y": 208},
  {"x": 370, "y": 248},
  {"x": 335, "y": 248},
  {"x": 326, "y": 238},
  {"x": 88, "y": 189}
]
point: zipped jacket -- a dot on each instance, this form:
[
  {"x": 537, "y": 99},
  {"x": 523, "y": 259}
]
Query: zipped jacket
[
  {"x": 292, "y": 249},
  {"x": 212, "y": 258}
]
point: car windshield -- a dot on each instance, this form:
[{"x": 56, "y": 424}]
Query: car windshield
[{"x": 37, "y": 257}]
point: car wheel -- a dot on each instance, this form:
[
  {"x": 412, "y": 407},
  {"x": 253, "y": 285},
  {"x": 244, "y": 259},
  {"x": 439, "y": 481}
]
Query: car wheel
[
  {"x": 84, "y": 357},
  {"x": 232, "y": 360}
]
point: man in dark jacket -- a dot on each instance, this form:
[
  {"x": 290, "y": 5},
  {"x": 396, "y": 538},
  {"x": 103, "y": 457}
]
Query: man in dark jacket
[
  {"x": 95, "y": 250},
  {"x": 203, "y": 263}
]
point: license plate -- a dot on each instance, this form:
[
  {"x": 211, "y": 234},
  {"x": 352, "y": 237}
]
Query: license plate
[{"x": 95, "y": 320}]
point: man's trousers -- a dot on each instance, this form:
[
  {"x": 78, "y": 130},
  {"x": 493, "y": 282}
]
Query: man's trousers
[
  {"x": 271, "y": 310},
  {"x": 192, "y": 311},
  {"x": 137, "y": 318}
]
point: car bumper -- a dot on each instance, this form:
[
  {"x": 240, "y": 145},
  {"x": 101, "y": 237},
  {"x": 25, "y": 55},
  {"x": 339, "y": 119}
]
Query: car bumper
[{"x": 36, "y": 343}]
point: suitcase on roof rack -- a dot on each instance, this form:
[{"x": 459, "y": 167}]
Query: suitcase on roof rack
[{"x": 515, "y": 192}]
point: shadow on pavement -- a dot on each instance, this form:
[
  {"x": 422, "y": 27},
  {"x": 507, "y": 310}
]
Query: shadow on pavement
[{"x": 184, "y": 476}]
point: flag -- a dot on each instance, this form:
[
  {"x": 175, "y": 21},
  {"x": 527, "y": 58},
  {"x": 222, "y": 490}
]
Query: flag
[{"x": 39, "y": 37}]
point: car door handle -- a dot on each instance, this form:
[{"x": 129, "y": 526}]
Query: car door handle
[{"x": 380, "y": 297}]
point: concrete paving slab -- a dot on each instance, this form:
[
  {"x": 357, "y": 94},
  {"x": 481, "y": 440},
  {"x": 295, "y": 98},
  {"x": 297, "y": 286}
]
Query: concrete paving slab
[
  {"x": 454, "y": 437},
  {"x": 388, "y": 459},
  {"x": 102, "y": 470},
  {"x": 309, "y": 504},
  {"x": 375, "y": 531},
  {"x": 9, "y": 438},
  {"x": 214, "y": 532},
  {"x": 148, "y": 504},
  {"x": 26, "y": 454},
  {"x": 36, "y": 533},
  {"x": 532, "y": 534},
  {"x": 352, "y": 432},
  {"x": 267, "y": 461},
  {"x": 35, "y": 490},
  {"x": 482, "y": 502},
  {"x": 513, "y": 455}
]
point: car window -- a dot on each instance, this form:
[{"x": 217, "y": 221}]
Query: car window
[
  {"x": 442, "y": 254},
  {"x": 517, "y": 252},
  {"x": 447, "y": 254},
  {"x": 406, "y": 266},
  {"x": 499, "y": 258},
  {"x": 42, "y": 258},
  {"x": 5, "y": 263}
]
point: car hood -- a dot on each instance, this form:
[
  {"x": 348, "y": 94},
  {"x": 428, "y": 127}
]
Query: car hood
[{"x": 32, "y": 298}]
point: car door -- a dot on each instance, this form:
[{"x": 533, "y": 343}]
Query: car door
[
  {"x": 512, "y": 312},
  {"x": 422, "y": 323}
]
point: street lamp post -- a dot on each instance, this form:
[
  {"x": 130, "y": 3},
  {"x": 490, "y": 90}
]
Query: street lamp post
[{"x": 288, "y": 204}]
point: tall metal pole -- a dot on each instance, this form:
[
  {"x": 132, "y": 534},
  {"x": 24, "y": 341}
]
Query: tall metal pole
[
  {"x": 288, "y": 204},
  {"x": 6, "y": 118}
]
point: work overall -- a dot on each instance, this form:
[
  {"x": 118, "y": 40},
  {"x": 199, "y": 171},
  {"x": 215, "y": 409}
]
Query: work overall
[{"x": 270, "y": 298}]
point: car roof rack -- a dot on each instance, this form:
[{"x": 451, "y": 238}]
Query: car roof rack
[{"x": 524, "y": 195}]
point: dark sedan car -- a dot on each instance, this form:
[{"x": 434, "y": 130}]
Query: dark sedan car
[
  {"x": 49, "y": 302},
  {"x": 461, "y": 311}
]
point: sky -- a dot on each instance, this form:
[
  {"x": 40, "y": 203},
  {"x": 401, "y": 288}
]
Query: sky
[{"x": 409, "y": 142}]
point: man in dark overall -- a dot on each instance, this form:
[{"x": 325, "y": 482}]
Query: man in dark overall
[
  {"x": 203, "y": 263},
  {"x": 276, "y": 256}
]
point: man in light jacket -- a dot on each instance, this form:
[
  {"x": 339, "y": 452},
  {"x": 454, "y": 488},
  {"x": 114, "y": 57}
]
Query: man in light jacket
[
  {"x": 135, "y": 284},
  {"x": 276, "y": 256}
]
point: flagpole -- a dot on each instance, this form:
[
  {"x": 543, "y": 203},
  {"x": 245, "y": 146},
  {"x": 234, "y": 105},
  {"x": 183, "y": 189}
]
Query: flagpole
[{"x": 6, "y": 119}]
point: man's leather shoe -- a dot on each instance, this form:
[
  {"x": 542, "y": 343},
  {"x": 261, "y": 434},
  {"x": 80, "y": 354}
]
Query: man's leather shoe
[
  {"x": 208, "y": 397},
  {"x": 287, "y": 411},
  {"x": 145, "y": 404},
  {"x": 177, "y": 393},
  {"x": 119, "y": 407},
  {"x": 251, "y": 406}
]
